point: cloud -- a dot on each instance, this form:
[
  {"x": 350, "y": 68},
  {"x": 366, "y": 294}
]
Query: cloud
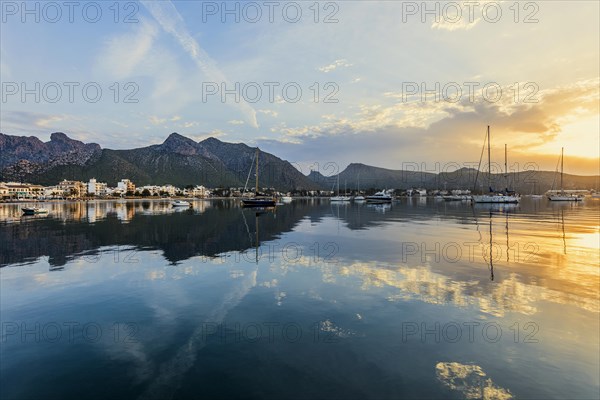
[
  {"x": 459, "y": 17},
  {"x": 336, "y": 64},
  {"x": 235, "y": 122},
  {"x": 5, "y": 71},
  {"x": 385, "y": 134},
  {"x": 190, "y": 124},
  {"x": 27, "y": 121},
  {"x": 171, "y": 22},
  {"x": 269, "y": 112},
  {"x": 122, "y": 54},
  {"x": 154, "y": 120},
  {"x": 462, "y": 24},
  {"x": 48, "y": 121}
]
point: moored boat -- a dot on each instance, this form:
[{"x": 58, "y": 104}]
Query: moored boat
[
  {"x": 456, "y": 197},
  {"x": 257, "y": 201},
  {"x": 563, "y": 196},
  {"x": 181, "y": 203},
  {"x": 503, "y": 197},
  {"x": 34, "y": 210},
  {"x": 499, "y": 198},
  {"x": 380, "y": 197},
  {"x": 339, "y": 197},
  {"x": 359, "y": 198}
]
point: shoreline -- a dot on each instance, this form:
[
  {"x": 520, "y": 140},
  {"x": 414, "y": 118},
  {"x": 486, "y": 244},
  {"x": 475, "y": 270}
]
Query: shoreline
[{"x": 165, "y": 199}]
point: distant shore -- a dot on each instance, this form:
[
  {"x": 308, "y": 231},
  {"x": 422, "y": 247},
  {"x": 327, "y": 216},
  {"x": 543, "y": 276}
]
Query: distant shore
[{"x": 132, "y": 198}]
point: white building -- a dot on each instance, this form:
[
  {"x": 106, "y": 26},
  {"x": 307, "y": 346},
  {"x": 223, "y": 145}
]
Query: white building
[
  {"x": 125, "y": 185},
  {"x": 96, "y": 188},
  {"x": 21, "y": 190},
  {"x": 154, "y": 189},
  {"x": 3, "y": 191},
  {"x": 198, "y": 191}
]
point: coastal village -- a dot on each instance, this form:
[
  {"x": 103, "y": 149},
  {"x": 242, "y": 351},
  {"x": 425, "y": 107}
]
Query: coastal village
[{"x": 78, "y": 190}]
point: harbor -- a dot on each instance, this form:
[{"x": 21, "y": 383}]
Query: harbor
[{"x": 312, "y": 280}]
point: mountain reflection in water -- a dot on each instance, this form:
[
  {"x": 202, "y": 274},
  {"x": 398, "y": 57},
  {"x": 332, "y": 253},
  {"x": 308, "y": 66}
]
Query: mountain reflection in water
[{"x": 350, "y": 277}]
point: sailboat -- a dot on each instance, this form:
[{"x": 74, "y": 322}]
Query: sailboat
[
  {"x": 338, "y": 197},
  {"x": 495, "y": 197},
  {"x": 562, "y": 196},
  {"x": 534, "y": 195},
  {"x": 257, "y": 201},
  {"x": 359, "y": 197}
]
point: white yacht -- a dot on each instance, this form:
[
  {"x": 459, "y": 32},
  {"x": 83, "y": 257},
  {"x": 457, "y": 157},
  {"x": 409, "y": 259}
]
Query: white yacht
[{"x": 380, "y": 197}]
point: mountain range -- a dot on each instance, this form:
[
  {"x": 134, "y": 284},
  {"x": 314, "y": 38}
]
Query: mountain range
[{"x": 181, "y": 161}]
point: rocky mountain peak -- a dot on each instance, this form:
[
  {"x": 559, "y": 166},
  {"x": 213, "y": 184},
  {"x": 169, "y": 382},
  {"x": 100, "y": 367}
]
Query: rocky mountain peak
[
  {"x": 180, "y": 144},
  {"x": 59, "y": 137}
]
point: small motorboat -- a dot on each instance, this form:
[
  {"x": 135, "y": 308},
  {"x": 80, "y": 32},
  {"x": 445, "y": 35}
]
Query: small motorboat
[
  {"x": 286, "y": 199},
  {"x": 34, "y": 210},
  {"x": 181, "y": 203}
]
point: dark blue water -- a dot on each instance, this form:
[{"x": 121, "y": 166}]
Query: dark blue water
[{"x": 420, "y": 299}]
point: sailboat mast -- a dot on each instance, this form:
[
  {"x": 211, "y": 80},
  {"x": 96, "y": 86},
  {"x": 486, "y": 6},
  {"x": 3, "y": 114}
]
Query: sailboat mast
[
  {"x": 562, "y": 159},
  {"x": 489, "y": 159},
  {"x": 257, "y": 152},
  {"x": 505, "y": 168}
]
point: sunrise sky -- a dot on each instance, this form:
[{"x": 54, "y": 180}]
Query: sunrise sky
[{"x": 369, "y": 57}]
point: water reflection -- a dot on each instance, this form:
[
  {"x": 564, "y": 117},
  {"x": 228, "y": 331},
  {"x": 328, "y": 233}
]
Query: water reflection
[
  {"x": 470, "y": 381},
  {"x": 350, "y": 272}
]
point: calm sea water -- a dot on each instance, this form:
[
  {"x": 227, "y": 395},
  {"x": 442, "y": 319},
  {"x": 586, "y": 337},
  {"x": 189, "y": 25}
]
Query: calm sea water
[{"x": 420, "y": 299}]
